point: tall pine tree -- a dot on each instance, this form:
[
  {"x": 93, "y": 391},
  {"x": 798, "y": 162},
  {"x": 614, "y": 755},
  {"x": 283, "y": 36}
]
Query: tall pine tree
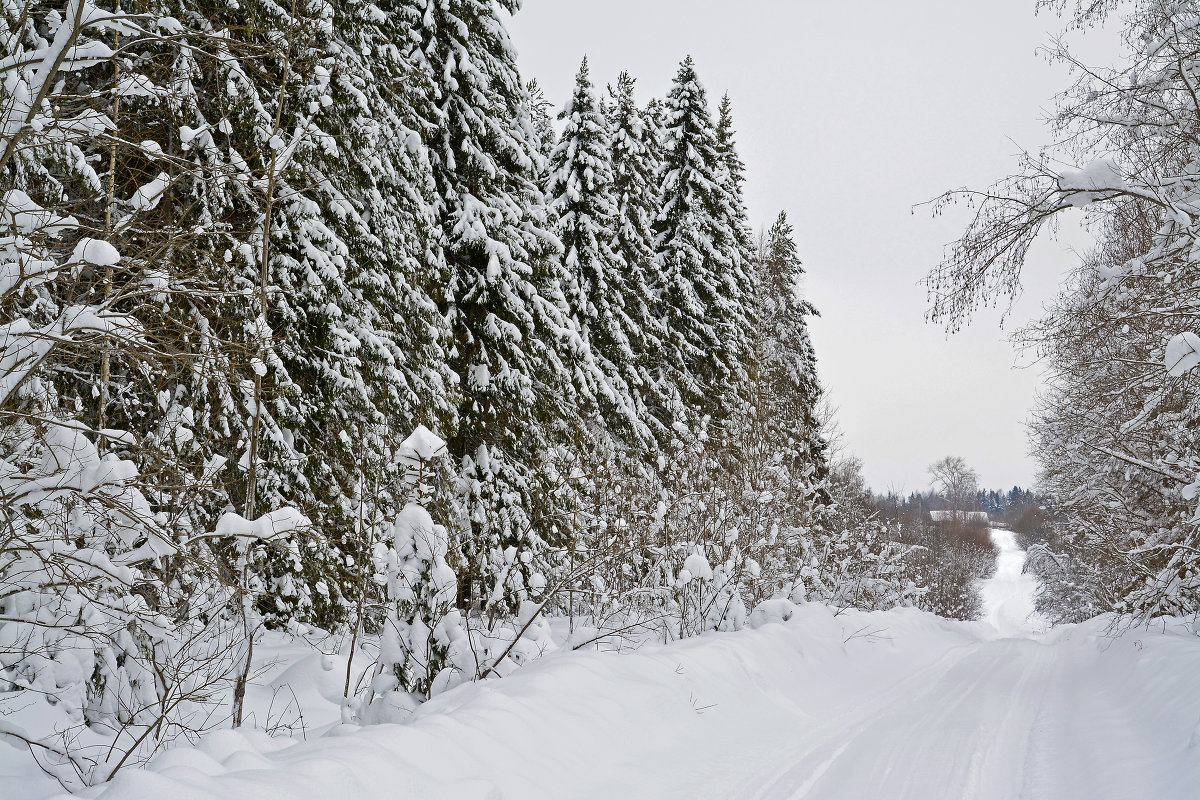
[
  {"x": 739, "y": 279},
  {"x": 635, "y": 165},
  {"x": 785, "y": 362}
]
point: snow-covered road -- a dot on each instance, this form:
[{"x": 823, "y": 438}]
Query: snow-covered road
[
  {"x": 1008, "y": 604},
  {"x": 1010, "y": 718},
  {"x": 897, "y": 705},
  {"x": 1014, "y": 715}
]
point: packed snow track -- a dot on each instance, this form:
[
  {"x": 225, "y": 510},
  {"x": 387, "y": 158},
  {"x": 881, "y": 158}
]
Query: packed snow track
[{"x": 898, "y": 706}]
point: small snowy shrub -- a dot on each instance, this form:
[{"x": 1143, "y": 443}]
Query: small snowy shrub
[{"x": 772, "y": 612}]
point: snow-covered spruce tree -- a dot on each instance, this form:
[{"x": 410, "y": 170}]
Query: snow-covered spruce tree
[
  {"x": 579, "y": 192},
  {"x": 753, "y": 502},
  {"x": 700, "y": 292},
  {"x": 1116, "y": 433},
  {"x": 622, "y": 486},
  {"x": 516, "y": 413},
  {"x": 424, "y": 644},
  {"x": 148, "y": 197},
  {"x": 541, "y": 115},
  {"x": 747, "y": 496},
  {"x": 363, "y": 340},
  {"x": 786, "y": 363},
  {"x": 635, "y": 189},
  {"x": 617, "y": 485},
  {"x": 299, "y": 351},
  {"x": 778, "y": 467},
  {"x": 700, "y": 271},
  {"x": 740, "y": 280},
  {"x": 384, "y": 336},
  {"x": 655, "y": 137}
]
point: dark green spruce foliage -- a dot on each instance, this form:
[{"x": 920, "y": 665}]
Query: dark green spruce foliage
[
  {"x": 701, "y": 264},
  {"x": 500, "y": 297},
  {"x": 595, "y": 285}
]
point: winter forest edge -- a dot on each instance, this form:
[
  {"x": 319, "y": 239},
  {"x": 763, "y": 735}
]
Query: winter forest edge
[{"x": 319, "y": 321}]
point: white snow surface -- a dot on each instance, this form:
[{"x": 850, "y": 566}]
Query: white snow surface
[
  {"x": 1183, "y": 354},
  {"x": 1008, "y": 604},
  {"x": 1102, "y": 174},
  {"x": 272, "y": 525},
  {"x": 812, "y": 703},
  {"x": 424, "y": 444},
  {"x": 97, "y": 252}
]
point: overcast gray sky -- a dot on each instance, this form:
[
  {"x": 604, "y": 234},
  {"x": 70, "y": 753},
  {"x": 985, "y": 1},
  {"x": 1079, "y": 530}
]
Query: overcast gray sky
[{"x": 849, "y": 114}]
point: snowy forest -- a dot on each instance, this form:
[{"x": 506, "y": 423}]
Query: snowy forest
[{"x": 324, "y": 332}]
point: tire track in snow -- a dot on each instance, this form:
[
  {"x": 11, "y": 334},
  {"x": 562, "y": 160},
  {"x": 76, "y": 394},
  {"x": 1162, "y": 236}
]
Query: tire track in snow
[
  {"x": 954, "y": 739},
  {"x": 913, "y": 740},
  {"x": 832, "y": 738}
]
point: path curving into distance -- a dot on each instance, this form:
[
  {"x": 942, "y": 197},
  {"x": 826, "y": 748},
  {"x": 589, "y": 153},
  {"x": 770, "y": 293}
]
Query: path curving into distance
[
  {"x": 1008, "y": 595},
  {"x": 829, "y": 705}
]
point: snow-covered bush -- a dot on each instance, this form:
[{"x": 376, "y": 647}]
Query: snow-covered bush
[
  {"x": 76, "y": 621},
  {"x": 103, "y": 614},
  {"x": 854, "y": 557},
  {"x": 421, "y": 631},
  {"x": 772, "y": 612},
  {"x": 427, "y": 645}
]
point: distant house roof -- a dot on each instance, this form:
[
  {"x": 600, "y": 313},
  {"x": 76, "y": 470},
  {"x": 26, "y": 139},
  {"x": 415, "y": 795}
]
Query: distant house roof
[{"x": 965, "y": 516}]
